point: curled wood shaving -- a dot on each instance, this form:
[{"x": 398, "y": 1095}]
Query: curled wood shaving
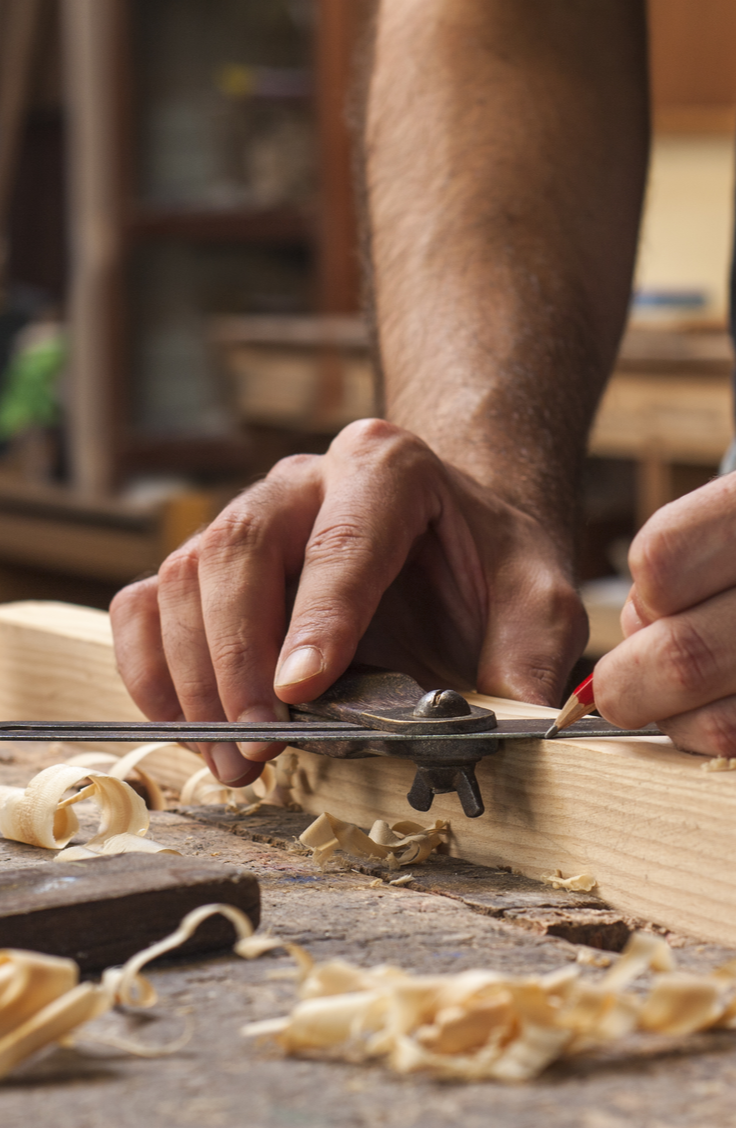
[
  {"x": 403, "y": 844},
  {"x": 482, "y": 1025},
  {"x": 278, "y": 786},
  {"x": 42, "y": 1000},
  {"x": 471, "y": 1026},
  {"x": 274, "y": 786},
  {"x": 39, "y": 815},
  {"x": 202, "y": 787},
  {"x": 198, "y": 787},
  {"x": 120, "y": 767},
  {"x": 583, "y": 881}
]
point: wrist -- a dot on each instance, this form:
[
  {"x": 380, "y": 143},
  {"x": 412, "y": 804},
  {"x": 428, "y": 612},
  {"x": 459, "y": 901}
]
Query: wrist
[{"x": 504, "y": 463}]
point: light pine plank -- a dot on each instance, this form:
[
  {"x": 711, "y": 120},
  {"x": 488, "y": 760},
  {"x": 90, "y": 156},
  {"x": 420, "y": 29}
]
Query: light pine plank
[
  {"x": 57, "y": 664},
  {"x": 656, "y": 831}
]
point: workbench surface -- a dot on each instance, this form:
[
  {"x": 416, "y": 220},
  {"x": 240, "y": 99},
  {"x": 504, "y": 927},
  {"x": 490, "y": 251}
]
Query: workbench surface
[{"x": 454, "y": 915}]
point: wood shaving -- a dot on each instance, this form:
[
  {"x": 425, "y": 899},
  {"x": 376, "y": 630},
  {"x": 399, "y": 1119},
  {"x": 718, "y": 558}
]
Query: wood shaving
[
  {"x": 719, "y": 764},
  {"x": 43, "y": 1002},
  {"x": 403, "y": 880},
  {"x": 470, "y": 1026},
  {"x": 169, "y": 762},
  {"x": 274, "y": 786},
  {"x": 593, "y": 957},
  {"x": 403, "y": 844},
  {"x": 483, "y": 1025},
  {"x": 120, "y": 767},
  {"x": 39, "y": 815},
  {"x": 582, "y": 882}
]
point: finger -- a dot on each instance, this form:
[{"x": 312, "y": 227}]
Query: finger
[
  {"x": 674, "y": 665},
  {"x": 187, "y": 656},
  {"x": 378, "y": 500},
  {"x": 139, "y": 651},
  {"x": 633, "y": 615},
  {"x": 711, "y": 730},
  {"x": 684, "y": 554},
  {"x": 246, "y": 558},
  {"x": 140, "y": 656}
]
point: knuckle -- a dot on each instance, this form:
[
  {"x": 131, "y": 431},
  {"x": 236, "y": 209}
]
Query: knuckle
[
  {"x": 369, "y": 431},
  {"x": 689, "y": 661},
  {"x": 337, "y": 542},
  {"x": 237, "y": 527},
  {"x": 180, "y": 568},
  {"x": 376, "y": 438},
  {"x": 199, "y": 700},
  {"x": 652, "y": 557},
  {"x": 133, "y": 600},
  {"x": 148, "y": 690},
  {"x": 227, "y": 652},
  {"x": 295, "y": 466}
]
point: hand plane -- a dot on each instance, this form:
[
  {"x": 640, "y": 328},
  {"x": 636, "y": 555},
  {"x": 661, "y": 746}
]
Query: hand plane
[{"x": 367, "y": 712}]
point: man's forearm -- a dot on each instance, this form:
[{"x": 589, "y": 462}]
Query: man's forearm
[{"x": 505, "y": 156}]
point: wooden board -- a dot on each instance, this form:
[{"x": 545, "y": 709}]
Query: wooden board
[
  {"x": 656, "y": 831},
  {"x": 57, "y": 663},
  {"x": 100, "y": 911}
]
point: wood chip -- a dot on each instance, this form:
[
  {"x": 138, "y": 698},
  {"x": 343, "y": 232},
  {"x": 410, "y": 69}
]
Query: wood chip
[
  {"x": 274, "y": 786},
  {"x": 470, "y": 1026},
  {"x": 581, "y": 882},
  {"x": 483, "y": 1025},
  {"x": 719, "y": 764},
  {"x": 404, "y": 843}
]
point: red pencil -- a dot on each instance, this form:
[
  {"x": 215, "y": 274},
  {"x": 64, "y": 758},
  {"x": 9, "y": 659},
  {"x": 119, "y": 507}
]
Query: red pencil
[{"x": 579, "y": 704}]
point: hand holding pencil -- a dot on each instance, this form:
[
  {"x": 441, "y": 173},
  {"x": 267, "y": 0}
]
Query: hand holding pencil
[{"x": 677, "y": 663}]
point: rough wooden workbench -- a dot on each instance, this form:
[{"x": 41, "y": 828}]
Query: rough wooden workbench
[{"x": 454, "y": 915}]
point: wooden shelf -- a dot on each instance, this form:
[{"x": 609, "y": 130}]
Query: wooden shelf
[
  {"x": 672, "y": 350},
  {"x": 326, "y": 331},
  {"x": 273, "y": 225},
  {"x": 668, "y": 404},
  {"x": 63, "y": 531},
  {"x": 197, "y": 455}
]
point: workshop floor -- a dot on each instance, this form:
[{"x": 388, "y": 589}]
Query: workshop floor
[{"x": 452, "y": 916}]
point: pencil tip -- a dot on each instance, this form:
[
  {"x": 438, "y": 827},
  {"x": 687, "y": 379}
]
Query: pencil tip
[{"x": 551, "y": 732}]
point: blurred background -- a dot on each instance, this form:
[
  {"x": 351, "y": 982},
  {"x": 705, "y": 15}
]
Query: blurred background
[{"x": 180, "y": 285}]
